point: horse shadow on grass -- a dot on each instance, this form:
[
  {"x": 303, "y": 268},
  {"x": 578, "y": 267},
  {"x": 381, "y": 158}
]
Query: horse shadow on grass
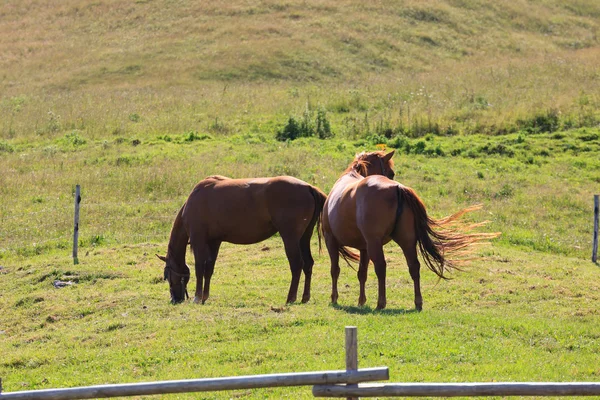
[{"x": 364, "y": 310}]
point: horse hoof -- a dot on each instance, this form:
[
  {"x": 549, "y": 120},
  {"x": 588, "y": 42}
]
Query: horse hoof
[
  {"x": 305, "y": 299},
  {"x": 197, "y": 300}
]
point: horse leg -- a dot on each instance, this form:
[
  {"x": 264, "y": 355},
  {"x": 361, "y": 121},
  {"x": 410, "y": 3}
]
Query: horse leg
[
  {"x": 294, "y": 255},
  {"x": 363, "y": 268},
  {"x": 307, "y": 266},
  {"x": 334, "y": 256},
  {"x": 406, "y": 237},
  {"x": 209, "y": 268},
  {"x": 375, "y": 250},
  {"x": 414, "y": 268},
  {"x": 201, "y": 256}
]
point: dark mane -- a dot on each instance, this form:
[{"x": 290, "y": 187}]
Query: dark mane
[{"x": 360, "y": 163}]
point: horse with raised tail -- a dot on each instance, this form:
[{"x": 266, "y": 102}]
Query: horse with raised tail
[{"x": 366, "y": 209}]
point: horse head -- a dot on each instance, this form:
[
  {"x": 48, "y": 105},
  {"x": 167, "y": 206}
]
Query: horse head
[
  {"x": 177, "y": 280},
  {"x": 374, "y": 163}
]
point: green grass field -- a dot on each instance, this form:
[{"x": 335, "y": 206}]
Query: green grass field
[
  {"x": 528, "y": 310},
  {"x": 137, "y": 101}
]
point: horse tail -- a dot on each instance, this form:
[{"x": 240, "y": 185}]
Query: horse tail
[
  {"x": 348, "y": 255},
  {"x": 320, "y": 198},
  {"x": 443, "y": 243}
]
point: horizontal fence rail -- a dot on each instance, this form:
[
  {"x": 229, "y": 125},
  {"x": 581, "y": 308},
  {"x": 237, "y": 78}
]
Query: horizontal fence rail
[
  {"x": 459, "y": 389},
  {"x": 204, "y": 385}
]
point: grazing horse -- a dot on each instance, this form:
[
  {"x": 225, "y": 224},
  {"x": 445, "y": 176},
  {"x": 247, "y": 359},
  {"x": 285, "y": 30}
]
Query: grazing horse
[
  {"x": 242, "y": 211},
  {"x": 367, "y": 209}
]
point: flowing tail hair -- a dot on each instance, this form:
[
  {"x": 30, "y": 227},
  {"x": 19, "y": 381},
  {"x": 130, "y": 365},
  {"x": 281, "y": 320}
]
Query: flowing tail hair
[
  {"x": 320, "y": 198},
  {"x": 443, "y": 243}
]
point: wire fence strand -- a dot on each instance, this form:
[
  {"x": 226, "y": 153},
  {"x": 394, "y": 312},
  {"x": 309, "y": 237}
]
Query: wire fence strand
[{"x": 101, "y": 222}]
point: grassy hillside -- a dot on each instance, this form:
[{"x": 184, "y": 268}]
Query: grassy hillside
[
  {"x": 171, "y": 67},
  {"x": 485, "y": 102}
]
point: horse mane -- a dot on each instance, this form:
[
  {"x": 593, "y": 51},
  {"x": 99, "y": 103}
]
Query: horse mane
[{"x": 360, "y": 163}]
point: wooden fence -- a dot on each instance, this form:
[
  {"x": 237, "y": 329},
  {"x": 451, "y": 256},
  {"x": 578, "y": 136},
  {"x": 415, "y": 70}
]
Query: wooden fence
[
  {"x": 203, "y": 385},
  {"x": 596, "y": 223},
  {"x": 347, "y": 383},
  {"x": 460, "y": 389},
  {"x": 351, "y": 375}
]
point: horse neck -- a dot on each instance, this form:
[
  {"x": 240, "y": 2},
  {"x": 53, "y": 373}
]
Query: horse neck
[
  {"x": 178, "y": 241},
  {"x": 376, "y": 169}
]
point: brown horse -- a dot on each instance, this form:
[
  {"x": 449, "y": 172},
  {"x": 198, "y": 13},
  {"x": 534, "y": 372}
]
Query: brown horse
[
  {"x": 367, "y": 209},
  {"x": 242, "y": 211}
]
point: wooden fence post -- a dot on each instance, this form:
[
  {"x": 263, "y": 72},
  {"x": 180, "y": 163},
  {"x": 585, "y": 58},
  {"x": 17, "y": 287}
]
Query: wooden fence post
[
  {"x": 595, "y": 244},
  {"x": 76, "y": 229},
  {"x": 351, "y": 352}
]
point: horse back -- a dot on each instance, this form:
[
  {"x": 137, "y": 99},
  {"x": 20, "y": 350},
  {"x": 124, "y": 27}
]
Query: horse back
[
  {"x": 248, "y": 210},
  {"x": 291, "y": 200},
  {"x": 377, "y": 205},
  {"x": 362, "y": 209}
]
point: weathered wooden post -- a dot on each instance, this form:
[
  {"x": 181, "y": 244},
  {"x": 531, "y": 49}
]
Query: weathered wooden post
[
  {"x": 76, "y": 229},
  {"x": 595, "y": 244},
  {"x": 351, "y": 352}
]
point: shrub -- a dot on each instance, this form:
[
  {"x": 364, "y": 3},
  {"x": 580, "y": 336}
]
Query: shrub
[
  {"x": 542, "y": 122},
  {"x": 398, "y": 142},
  {"x": 290, "y": 131},
  {"x": 73, "y": 139},
  {"x": 309, "y": 125},
  {"x": 377, "y": 139},
  {"x": 192, "y": 136},
  {"x": 505, "y": 192},
  {"x": 589, "y": 137},
  {"x": 419, "y": 147},
  {"x": 6, "y": 148},
  {"x": 498, "y": 149},
  {"x": 322, "y": 128}
]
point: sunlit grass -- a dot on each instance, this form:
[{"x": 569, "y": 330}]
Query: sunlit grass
[
  {"x": 492, "y": 103},
  {"x": 230, "y": 68},
  {"x": 536, "y": 188},
  {"x": 526, "y": 310},
  {"x": 515, "y": 316}
]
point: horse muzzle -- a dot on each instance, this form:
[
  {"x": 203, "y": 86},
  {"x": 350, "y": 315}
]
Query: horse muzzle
[{"x": 182, "y": 297}]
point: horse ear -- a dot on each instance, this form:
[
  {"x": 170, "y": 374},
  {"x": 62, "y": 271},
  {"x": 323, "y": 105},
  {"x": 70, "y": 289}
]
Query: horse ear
[
  {"x": 161, "y": 258},
  {"x": 389, "y": 156}
]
